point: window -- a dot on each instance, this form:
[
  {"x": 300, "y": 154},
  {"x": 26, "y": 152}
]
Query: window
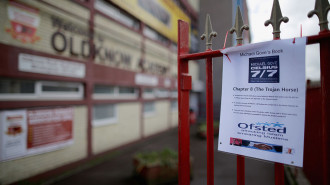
[
  {"x": 156, "y": 10},
  {"x": 116, "y": 14},
  {"x": 162, "y": 93},
  {"x": 104, "y": 92},
  {"x": 148, "y": 93},
  {"x": 114, "y": 92},
  {"x": 104, "y": 89},
  {"x": 11, "y": 87},
  {"x": 152, "y": 34},
  {"x": 149, "y": 109},
  {"x": 126, "y": 90},
  {"x": 51, "y": 88},
  {"x": 15, "y": 89},
  {"x": 174, "y": 105},
  {"x": 174, "y": 94},
  {"x": 59, "y": 90},
  {"x": 104, "y": 114}
]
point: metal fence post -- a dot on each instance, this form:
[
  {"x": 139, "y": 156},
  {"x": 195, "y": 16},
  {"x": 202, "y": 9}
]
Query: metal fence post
[
  {"x": 325, "y": 103},
  {"x": 238, "y": 28},
  {"x": 275, "y": 20},
  {"x": 323, "y": 38},
  {"x": 208, "y": 34},
  {"x": 209, "y": 121},
  {"x": 184, "y": 86},
  {"x": 321, "y": 10}
]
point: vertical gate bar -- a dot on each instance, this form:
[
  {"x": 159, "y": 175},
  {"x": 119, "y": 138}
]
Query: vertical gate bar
[
  {"x": 238, "y": 28},
  {"x": 209, "y": 121},
  {"x": 325, "y": 94},
  {"x": 183, "y": 102},
  {"x": 240, "y": 170},
  {"x": 275, "y": 20},
  {"x": 321, "y": 9},
  {"x": 208, "y": 35},
  {"x": 279, "y": 174},
  {"x": 240, "y": 160}
]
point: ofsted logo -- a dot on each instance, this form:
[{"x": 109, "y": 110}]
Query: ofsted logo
[{"x": 263, "y": 127}]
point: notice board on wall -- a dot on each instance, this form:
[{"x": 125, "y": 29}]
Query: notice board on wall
[
  {"x": 34, "y": 131},
  {"x": 263, "y": 101}
]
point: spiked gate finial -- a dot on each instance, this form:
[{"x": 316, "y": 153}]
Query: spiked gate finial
[
  {"x": 276, "y": 19},
  {"x": 321, "y": 10},
  {"x": 208, "y": 33},
  {"x": 239, "y": 27}
]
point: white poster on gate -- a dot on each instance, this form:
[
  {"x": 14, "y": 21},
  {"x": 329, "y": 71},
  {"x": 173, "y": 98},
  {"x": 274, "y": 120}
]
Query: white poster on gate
[{"x": 263, "y": 101}]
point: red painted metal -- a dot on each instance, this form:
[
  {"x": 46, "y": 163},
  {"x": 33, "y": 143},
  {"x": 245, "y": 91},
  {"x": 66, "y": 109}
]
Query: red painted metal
[
  {"x": 201, "y": 55},
  {"x": 183, "y": 99},
  {"x": 313, "y": 134},
  {"x": 324, "y": 39},
  {"x": 209, "y": 121},
  {"x": 325, "y": 103},
  {"x": 318, "y": 137},
  {"x": 183, "y": 57},
  {"x": 240, "y": 170},
  {"x": 240, "y": 160},
  {"x": 279, "y": 173},
  {"x": 314, "y": 39},
  {"x": 279, "y": 168}
]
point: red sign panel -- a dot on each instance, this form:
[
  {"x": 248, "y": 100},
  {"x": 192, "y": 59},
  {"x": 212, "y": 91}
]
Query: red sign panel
[{"x": 49, "y": 126}]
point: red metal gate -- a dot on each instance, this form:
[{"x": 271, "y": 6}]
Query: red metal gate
[{"x": 184, "y": 86}]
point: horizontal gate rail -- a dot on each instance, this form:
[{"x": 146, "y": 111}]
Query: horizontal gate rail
[
  {"x": 201, "y": 55},
  {"x": 316, "y": 39}
]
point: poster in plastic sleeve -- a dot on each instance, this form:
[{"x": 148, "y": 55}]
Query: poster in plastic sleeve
[
  {"x": 49, "y": 129},
  {"x": 13, "y": 134},
  {"x": 35, "y": 131},
  {"x": 263, "y": 101}
]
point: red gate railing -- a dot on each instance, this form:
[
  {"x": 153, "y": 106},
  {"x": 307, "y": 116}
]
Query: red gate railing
[{"x": 184, "y": 86}]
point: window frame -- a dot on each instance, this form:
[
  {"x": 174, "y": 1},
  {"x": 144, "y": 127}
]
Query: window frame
[
  {"x": 39, "y": 94},
  {"x": 149, "y": 113},
  {"x": 105, "y": 121},
  {"x": 176, "y": 108},
  {"x": 174, "y": 93},
  {"x": 162, "y": 93},
  {"x": 148, "y": 95},
  {"x": 133, "y": 95},
  {"x": 58, "y": 94},
  {"x": 116, "y": 93}
]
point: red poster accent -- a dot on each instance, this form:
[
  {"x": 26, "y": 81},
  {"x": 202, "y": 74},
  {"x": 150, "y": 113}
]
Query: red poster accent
[
  {"x": 49, "y": 126},
  {"x": 24, "y": 22}
]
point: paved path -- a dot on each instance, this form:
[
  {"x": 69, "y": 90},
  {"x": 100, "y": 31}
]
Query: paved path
[{"x": 118, "y": 170}]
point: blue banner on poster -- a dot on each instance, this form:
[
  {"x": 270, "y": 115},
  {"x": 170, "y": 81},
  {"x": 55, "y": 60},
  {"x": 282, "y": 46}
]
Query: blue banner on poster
[{"x": 264, "y": 69}]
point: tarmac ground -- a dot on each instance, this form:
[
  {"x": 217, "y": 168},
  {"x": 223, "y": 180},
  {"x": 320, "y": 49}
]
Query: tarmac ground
[{"x": 118, "y": 170}]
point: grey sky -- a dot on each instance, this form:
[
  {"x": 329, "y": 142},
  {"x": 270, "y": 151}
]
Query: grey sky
[{"x": 296, "y": 11}]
